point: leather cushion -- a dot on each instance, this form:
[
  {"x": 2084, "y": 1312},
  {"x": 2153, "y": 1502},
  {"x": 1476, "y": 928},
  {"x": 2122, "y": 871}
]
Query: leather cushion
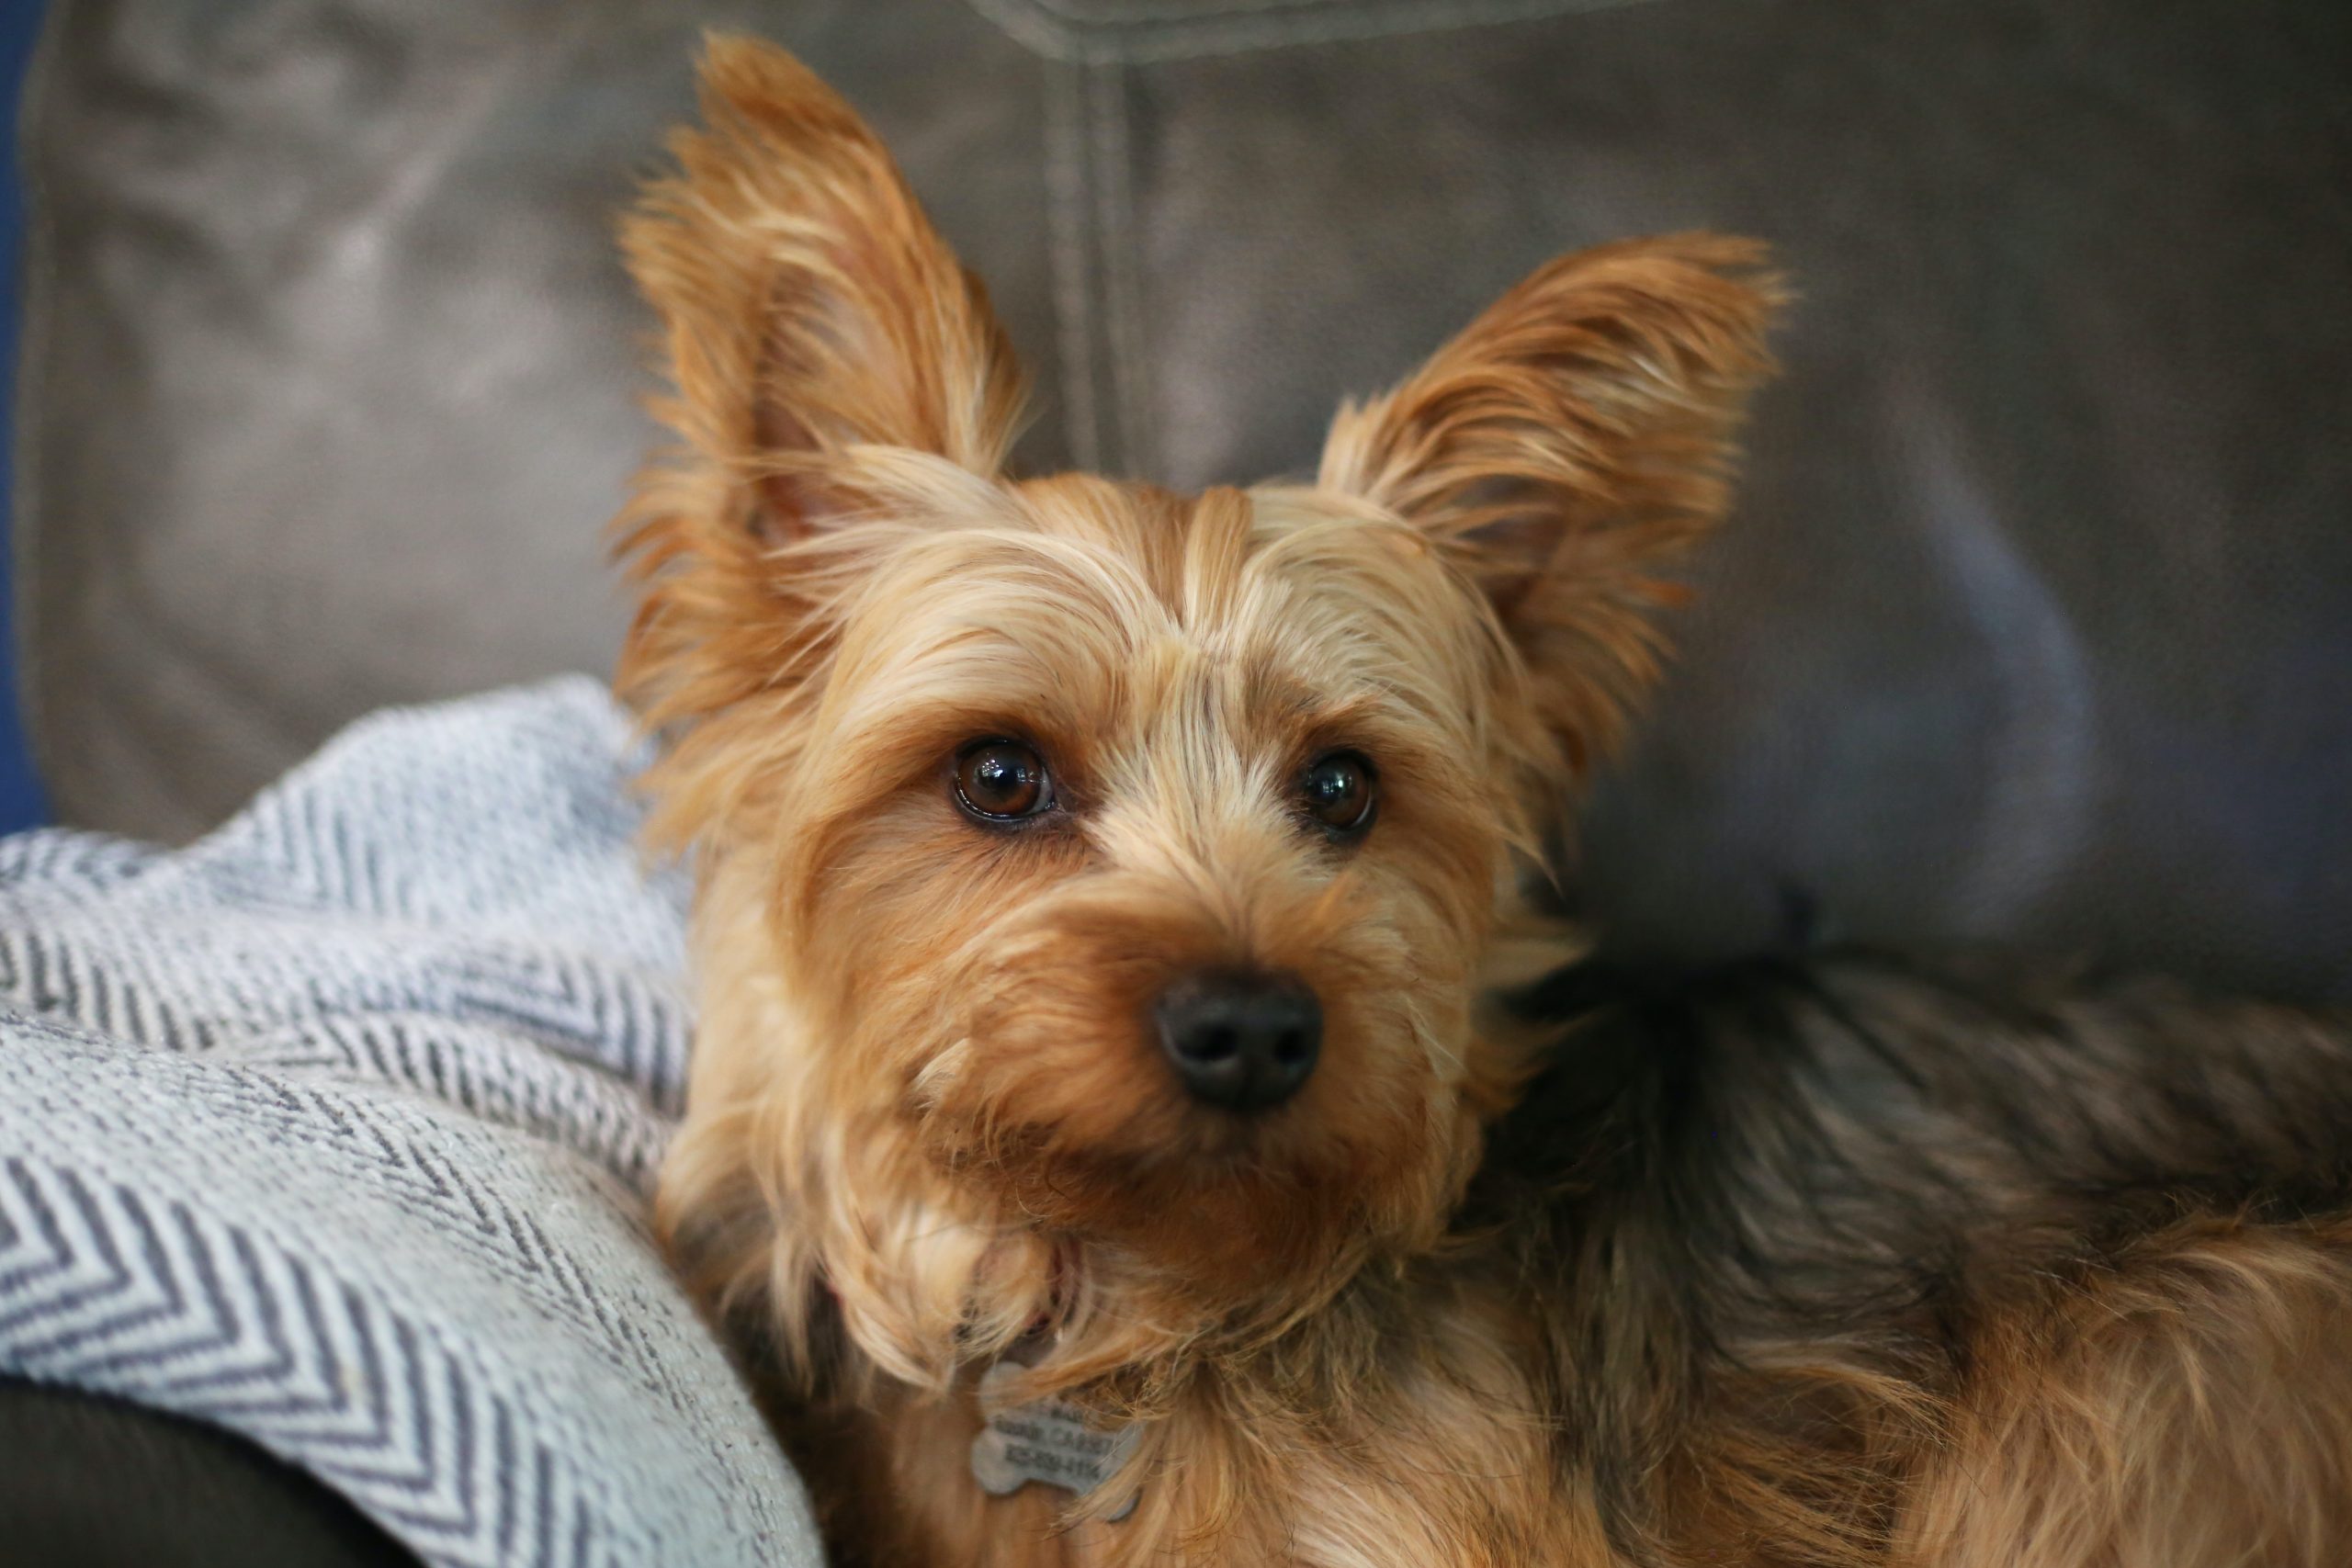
[{"x": 2036, "y": 626}]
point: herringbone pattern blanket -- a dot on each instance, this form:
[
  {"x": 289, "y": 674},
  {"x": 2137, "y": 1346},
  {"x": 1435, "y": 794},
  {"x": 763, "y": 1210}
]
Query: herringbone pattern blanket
[{"x": 335, "y": 1129}]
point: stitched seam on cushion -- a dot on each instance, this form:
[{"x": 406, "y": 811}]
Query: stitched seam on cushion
[
  {"x": 1114, "y": 14},
  {"x": 1116, "y": 229},
  {"x": 1332, "y": 21},
  {"x": 1111, "y": 422},
  {"x": 1068, "y": 223}
]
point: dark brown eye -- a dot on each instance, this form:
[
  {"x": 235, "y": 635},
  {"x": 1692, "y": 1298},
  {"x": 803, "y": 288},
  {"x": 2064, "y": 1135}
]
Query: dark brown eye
[
  {"x": 1339, "y": 792},
  {"x": 1001, "y": 781}
]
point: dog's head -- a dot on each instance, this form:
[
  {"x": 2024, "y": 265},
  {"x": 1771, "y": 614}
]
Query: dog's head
[{"x": 1097, "y": 880}]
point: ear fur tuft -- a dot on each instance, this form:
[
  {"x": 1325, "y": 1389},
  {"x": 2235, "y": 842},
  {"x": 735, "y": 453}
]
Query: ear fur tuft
[
  {"x": 1568, "y": 444},
  {"x": 807, "y": 307},
  {"x": 823, "y": 346}
]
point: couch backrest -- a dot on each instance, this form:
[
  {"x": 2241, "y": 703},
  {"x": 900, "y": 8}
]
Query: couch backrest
[{"x": 2036, "y": 624}]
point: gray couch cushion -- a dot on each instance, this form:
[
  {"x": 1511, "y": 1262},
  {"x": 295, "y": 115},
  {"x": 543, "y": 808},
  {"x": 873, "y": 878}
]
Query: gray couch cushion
[
  {"x": 2036, "y": 626},
  {"x": 332, "y": 382}
]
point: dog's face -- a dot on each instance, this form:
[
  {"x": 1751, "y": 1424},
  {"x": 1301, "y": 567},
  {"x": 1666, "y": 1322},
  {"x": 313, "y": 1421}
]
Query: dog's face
[
  {"x": 1142, "y": 849},
  {"x": 1098, "y": 880}
]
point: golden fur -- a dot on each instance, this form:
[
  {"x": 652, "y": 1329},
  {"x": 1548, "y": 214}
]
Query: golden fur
[{"x": 927, "y": 1122}]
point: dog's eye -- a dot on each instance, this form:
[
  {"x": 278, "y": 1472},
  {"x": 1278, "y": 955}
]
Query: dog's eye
[
  {"x": 1001, "y": 781},
  {"x": 1339, "y": 792}
]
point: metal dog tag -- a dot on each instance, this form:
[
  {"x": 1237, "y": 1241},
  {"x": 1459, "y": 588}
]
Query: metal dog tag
[{"x": 1047, "y": 1441}]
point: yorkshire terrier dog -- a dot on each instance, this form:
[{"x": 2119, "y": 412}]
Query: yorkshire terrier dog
[{"x": 1101, "y": 1143}]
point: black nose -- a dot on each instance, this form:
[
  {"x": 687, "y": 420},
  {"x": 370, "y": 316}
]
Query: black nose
[{"x": 1239, "y": 1039}]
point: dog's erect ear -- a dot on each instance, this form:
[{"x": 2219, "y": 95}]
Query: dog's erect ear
[
  {"x": 1569, "y": 444},
  {"x": 831, "y": 367},
  {"x": 808, "y": 306}
]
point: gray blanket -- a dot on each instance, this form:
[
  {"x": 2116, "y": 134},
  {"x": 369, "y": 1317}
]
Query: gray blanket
[{"x": 335, "y": 1130}]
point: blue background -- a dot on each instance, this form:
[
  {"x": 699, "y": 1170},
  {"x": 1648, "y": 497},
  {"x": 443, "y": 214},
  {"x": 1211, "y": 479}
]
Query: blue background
[{"x": 20, "y": 804}]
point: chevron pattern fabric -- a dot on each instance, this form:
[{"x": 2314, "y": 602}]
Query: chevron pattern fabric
[{"x": 335, "y": 1128}]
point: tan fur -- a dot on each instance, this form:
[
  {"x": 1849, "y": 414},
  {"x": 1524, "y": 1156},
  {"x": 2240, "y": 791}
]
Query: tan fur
[
  {"x": 927, "y": 1122},
  {"x": 2189, "y": 1404}
]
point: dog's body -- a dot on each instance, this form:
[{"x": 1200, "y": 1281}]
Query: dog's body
[{"x": 1099, "y": 887}]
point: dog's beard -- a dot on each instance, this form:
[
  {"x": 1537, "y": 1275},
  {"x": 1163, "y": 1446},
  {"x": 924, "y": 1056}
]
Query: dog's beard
[{"x": 1156, "y": 1211}]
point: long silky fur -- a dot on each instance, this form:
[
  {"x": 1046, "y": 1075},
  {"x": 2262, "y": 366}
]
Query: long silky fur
[{"x": 1833, "y": 1262}]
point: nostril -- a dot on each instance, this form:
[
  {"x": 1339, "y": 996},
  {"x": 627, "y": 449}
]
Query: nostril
[
  {"x": 1290, "y": 1049},
  {"x": 1213, "y": 1043}
]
